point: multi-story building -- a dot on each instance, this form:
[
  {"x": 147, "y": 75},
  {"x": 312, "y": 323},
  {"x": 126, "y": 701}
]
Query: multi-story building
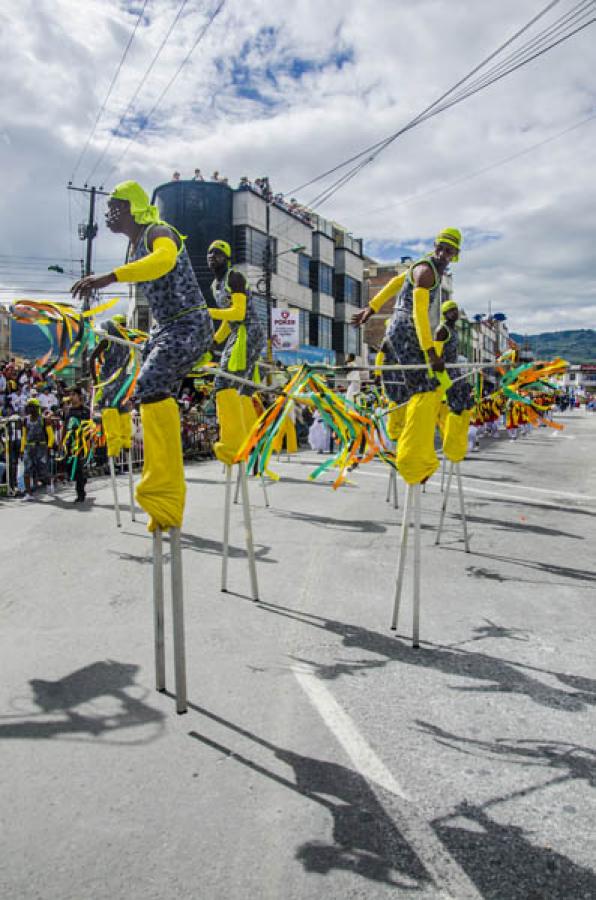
[
  {"x": 579, "y": 379},
  {"x": 292, "y": 258}
]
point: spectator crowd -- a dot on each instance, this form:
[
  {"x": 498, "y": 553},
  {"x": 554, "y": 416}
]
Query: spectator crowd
[{"x": 259, "y": 186}]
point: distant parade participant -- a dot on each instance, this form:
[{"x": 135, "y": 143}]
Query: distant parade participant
[
  {"x": 242, "y": 335},
  {"x": 37, "y": 439},
  {"x": 75, "y": 449},
  {"x": 458, "y": 396},
  {"x": 110, "y": 374},
  {"x": 182, "y": 332},
  {"x": 409, "y": 341}
]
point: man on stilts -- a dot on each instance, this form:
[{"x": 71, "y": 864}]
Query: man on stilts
[
  {"x": 243, "y": 338},
  {"x": 409, "y": 341},
  {"x": 182, "y": 332},
  {"x": 454, "y": 425}
]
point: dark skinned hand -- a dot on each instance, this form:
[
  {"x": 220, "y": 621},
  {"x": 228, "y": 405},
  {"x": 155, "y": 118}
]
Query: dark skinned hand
[{"x": 84, "y": 287}]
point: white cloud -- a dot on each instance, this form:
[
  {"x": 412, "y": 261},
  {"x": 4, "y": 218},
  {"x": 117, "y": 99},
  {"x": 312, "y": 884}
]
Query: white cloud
[{"x": 290, "y": 88}]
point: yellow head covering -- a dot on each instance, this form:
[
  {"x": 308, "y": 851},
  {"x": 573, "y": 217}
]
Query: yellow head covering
[
  {"x": 119, "y": 319},
  {"x": 451, "y": 236},
  {"x": 447, "y": 305},
  {"x": 223, "y": 246},
  {"x": 141, "y": 210}
]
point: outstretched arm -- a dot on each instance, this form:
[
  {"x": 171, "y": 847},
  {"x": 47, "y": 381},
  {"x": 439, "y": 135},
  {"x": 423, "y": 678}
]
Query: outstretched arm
[{"x": 380, "y": 299}]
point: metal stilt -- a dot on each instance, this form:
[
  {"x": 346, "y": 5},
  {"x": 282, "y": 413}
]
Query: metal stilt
[
  {"x": 454, "y": 468},
  {"x": 263, "y": 484},
  {"x": 131, "y": 487},
  {"x": 443, "y": 468},
  {"x": 114, "y": 491},
  {"x": 403, "y": 549},
  {"x": 444, "y": 504},
  {"x": 178, "y": 620},
  {"x": 462, "y": 509},
  {"x": 226, "y": 534},
  {"x": 158, "y": 614},
  {"x": 416, "y": 600},
  {"x": 392, "y": 489},
  {"x": 412, "y": 505},
  {"x": 250, "y": 551},
  {"x": 389, "y": 486}
]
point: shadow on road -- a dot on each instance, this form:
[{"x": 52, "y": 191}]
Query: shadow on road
[
  {"x": 84, "y": 688},
  {"x": 503, "y": 863},
  {"x": 494, "y": 675},
  {"x": 364, "y": 839}
]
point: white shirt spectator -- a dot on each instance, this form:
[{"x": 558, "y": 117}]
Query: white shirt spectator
[{"x": 354, "y": 384}]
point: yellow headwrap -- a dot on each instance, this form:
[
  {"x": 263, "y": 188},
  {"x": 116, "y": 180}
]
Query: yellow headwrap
[
  {"x": 447, "y": 305},
  {"x": 119, "y": 319},
  {"x": 140, "y": 208},
  {"x": 451, "y": 236},
  {"x": 223, "y": 246}
]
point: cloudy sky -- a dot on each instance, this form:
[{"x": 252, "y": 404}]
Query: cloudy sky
[{"x": 289, "y": 89}]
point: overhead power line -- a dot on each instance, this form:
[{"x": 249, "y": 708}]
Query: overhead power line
[
  {"x": 500, "y": 162},
  {"x": 560, "y": 30},
  {"x": 211, "y": 18},
  {"x": 107, "y": 96},
  {"x": 140, "y": 85},
  {"x": 521, "y": 59}
]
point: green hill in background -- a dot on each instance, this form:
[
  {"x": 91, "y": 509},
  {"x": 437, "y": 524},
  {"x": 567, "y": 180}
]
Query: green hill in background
[{"x": 574, "y": 346}]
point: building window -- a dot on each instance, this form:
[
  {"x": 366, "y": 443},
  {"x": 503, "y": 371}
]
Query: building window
[
  {"x": 250, "y": 247},
  {"x": 346, "y": 338},
  {"x": 320, "y": 331},
  {"x": 348, "y": 290},
  {"x": 304, "y": 269},
  {"x": 352, "y": 340},
  {"x": 260, "y": 305},
  {"x": 321, "y": 277}
]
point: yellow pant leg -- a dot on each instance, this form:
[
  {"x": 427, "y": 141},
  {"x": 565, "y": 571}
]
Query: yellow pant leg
[
  {"x": 396, "y": 421},
  {"x": 232, "y": 431},
  {"x": 161, "y": 491},
  {"x": 416, "y": 457},
  {"x": 126, "y": 430},
  {"x": 110, "y": 420},
  {"x": 455, "y": 437}
]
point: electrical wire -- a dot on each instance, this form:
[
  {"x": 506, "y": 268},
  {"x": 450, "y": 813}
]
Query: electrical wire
[
  {"x": 332, "y": 189},
  {"x": 211, "y": 18},
  {"x": 449, "y": 184},
  {"x": 140, "y": 85},
  {"x": 538, "y": 45},
  {"x": 107, "y": 96}
]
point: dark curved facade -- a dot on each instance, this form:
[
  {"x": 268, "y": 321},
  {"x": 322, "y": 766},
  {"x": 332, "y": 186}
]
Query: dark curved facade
[{"x": 201, "y": 210}]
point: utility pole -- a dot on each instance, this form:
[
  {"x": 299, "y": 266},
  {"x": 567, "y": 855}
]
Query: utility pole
[{"x": 87, "y": 233}]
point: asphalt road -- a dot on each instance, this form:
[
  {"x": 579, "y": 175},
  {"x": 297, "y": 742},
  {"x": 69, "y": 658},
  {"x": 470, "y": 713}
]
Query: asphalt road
[{"x": 322, "y": 756}]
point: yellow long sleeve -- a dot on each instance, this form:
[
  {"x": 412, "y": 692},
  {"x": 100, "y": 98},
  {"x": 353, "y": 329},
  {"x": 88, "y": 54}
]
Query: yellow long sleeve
[
  {"x": 379, "y": 360},
  {"x": 222, "y": 333},
  {"x": 234, "y": 313},
  {"x": 390, "y": 290},
  {"x": 421, "y": 321},
  {"x": 159, "y": 262}
]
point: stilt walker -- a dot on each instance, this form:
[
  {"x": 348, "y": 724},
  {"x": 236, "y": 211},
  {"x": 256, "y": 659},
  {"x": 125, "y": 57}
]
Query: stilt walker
[
  {"x": 455, "y": 423},
  {"x": 409, "y": 341},
  {"x": 242, "y": 335},
  {"x": 108, "y": 364},
  {"x": 182, "y": 332}
]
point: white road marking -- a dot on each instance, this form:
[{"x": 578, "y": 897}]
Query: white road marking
[
  {"x": 500, "y": 484},
  {"x": 500, "y": 495},
  {"x": 364, "y": 758},
  {"x": 450, "y": 879}
]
